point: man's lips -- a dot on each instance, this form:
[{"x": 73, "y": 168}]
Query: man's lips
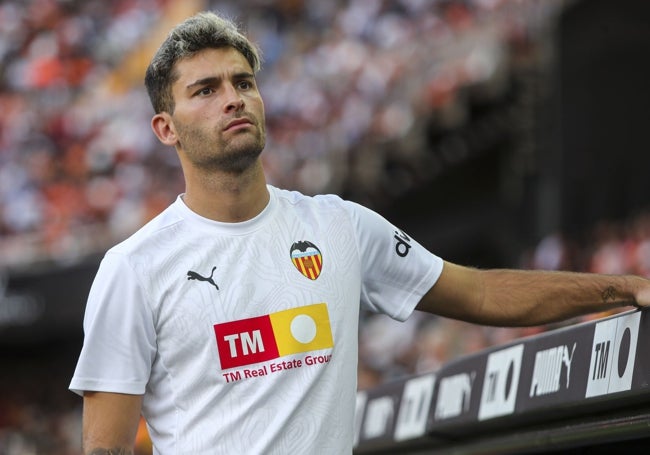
[{"x": 238, "y": 124}]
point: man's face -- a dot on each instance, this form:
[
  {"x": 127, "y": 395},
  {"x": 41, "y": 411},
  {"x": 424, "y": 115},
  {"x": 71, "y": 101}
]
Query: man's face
[{"x": 219, "y": 113}]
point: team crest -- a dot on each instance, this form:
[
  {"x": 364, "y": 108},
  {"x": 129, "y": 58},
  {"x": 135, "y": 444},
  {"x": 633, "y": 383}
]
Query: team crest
[{"x": 307, "y": 258}]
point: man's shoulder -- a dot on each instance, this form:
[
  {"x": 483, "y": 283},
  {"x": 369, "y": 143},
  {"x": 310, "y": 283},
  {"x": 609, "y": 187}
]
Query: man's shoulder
[{"x": 296, "y": 198}]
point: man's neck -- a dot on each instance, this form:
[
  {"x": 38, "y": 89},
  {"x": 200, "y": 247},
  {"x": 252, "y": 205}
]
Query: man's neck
[{"x": 228, "y": 198}]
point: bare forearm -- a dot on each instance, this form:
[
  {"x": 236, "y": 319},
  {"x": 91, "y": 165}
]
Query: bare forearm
[
  {"x": 110, "y": 423},
  {"x": 519, "y": 298},
  {"x": 524, "y": 298}
]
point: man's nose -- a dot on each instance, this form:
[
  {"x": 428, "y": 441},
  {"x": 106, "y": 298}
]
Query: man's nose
[{"x": 233, "y": 101}]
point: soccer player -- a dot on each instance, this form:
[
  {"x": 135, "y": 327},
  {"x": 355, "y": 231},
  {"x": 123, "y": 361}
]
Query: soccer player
[{"x": 230, "y": 320}]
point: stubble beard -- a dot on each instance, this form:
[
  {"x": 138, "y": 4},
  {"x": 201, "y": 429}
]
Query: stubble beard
[{"x": 211, "y": 152}]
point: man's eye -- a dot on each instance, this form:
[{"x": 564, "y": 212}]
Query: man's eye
[
  {"x": 244, "y": 85},
  {"x": 205, "y": 91}
]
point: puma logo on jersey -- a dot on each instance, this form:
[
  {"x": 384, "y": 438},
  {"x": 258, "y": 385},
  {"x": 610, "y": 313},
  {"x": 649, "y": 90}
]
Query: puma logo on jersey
[{"x": 195, "y": 276}]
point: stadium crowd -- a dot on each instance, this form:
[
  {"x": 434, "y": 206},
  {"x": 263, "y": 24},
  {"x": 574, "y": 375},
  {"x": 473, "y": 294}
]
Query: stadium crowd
[
  {"x": 349, "y": 88},
  {"x": 342, "y": 81}
]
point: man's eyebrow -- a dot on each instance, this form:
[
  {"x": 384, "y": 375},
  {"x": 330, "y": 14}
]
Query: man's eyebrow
[
  {"x": 243, "y": 75},
  {"x": 210, "y": 80},
  {"x": 215, "y": 80}
]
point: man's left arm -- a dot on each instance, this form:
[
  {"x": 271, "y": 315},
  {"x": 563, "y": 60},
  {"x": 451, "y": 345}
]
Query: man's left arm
[{"x": 503, "y": 297}]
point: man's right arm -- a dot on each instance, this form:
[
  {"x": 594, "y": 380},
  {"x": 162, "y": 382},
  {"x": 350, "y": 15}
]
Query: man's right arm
[{"x": 110, "y": 423}]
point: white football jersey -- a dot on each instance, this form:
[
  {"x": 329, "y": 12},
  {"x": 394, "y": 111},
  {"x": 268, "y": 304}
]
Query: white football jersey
[{"x": 243, "y": 336}]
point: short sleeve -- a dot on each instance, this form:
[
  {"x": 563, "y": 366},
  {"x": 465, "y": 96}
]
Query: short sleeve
[
  {"x": 396, "y": 270},
  {"x": 119, "y": 337}
]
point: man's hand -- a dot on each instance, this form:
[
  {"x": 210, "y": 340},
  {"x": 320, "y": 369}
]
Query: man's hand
[{"x": 642, "y": 296}]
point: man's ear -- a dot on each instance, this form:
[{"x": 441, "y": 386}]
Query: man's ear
[{"x": 163, "y": 127}]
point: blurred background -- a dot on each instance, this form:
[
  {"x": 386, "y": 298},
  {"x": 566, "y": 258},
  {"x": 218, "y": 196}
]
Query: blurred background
[{"x": 498, "y": 133}]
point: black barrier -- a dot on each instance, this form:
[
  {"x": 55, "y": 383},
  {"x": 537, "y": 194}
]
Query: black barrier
[
  {"x": 553, "y": 377},
  {"x": 44, "y": 302}
]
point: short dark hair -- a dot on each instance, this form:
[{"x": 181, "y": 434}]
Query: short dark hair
[{"x": 204, "y": 30}]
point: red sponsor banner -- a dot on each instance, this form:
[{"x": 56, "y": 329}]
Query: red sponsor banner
[{"x": 245, "y": 341}]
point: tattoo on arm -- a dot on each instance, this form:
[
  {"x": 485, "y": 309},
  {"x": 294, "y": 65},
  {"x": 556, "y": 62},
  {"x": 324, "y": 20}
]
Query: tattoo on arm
[
  {"x": 113, "y": 451},
  {"x": 609, "y": 294}
]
